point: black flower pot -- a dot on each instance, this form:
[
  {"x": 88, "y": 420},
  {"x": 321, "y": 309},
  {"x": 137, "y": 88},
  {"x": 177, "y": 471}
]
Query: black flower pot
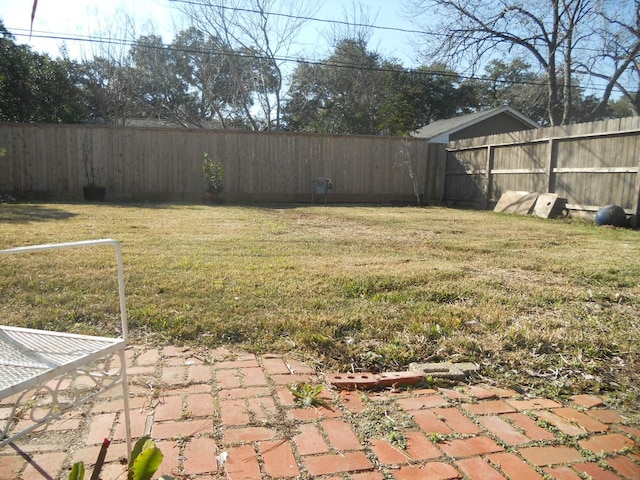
[{"x": 94, "y": 194}]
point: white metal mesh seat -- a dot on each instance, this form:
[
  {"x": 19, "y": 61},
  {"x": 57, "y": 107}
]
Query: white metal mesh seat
[{"x": 37, "y": 361}]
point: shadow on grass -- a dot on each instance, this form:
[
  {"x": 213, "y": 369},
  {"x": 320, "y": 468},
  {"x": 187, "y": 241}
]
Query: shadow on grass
[{"x": 32, "y": 213}]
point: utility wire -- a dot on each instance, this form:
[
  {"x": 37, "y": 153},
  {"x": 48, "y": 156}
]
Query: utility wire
[
  {"x": 326, "y": 20},
  {"x": 284, "y": 59},
  {"x": 257, "y": 56},
  {"x": 311, "y": 19}
]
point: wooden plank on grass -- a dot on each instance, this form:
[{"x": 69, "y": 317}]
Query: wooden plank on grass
[
  {"x": 545, "y": 204},
  {"x": 516, "y": 202}
]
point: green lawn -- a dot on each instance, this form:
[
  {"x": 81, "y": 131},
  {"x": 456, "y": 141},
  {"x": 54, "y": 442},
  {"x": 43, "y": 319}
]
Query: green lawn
[{"x": 549, "y": 305}]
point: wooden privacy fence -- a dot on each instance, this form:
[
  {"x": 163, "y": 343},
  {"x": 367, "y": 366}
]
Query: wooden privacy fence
[
  {"x": 54, "y": 161},
  {"x": 590, "y": 165}
]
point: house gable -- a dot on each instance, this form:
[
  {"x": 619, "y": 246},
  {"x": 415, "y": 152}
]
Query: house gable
[
  {"x": 500, "y": 123},
  {"x": 488, "y": 122}
]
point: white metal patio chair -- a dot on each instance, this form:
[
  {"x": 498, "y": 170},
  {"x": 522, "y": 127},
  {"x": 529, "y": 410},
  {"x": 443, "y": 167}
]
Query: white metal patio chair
[{"x": 41, "y": 363}]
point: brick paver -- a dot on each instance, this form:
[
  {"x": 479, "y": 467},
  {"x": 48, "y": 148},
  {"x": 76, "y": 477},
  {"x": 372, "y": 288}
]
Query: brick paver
[
  {"x": 551, "y": 455},
  {"x": 533, "y": 404},
  {"x": 389, "y": 454},
  {"x": 595, "y": 471},
  {"x": 457, "y": 421},
  {"x": 218, "y": 416},
  {"x": 468, "y": 447},
  {"x": 100, "y": 428},
  {"x": 562, "y": 473},
  {"x": 310, "y": 441},
  {"x": 352, "y": 401},
  {"x": 337, "y": 463},
  {"x": 579, "y": 418},
  {"x": 247, "y": 434},
  {"x": 422, "y": 402},
  {"x": 279, "y": 461},
  {"x": 242, "y": 463},
  {"x": 562, "y": 424},
  {"x": 420, "y": 447},
  {"x": 169, "y": 408},
  {"x": 429, "y": 421},
  {"x": 341, "y": 434},
  {"x": 624, "y": 466},
  {"x": 513, "y": 466},
  {"x": 501, "y": 429},
  {"x": 50, "y": 462},
  {"x": 200, "y": 456},
  {"x": 529, "y": 426},
  {"x": 429, "y": 471},
  {"x": 489, "y": 407},
  {"x": 478, "y": 469},
  {"x": 188, "y": 428},
  {"x": 199, "y": 373},
  {"x": 587, "y": 401},
  {"x": 607, "y": 443},
  {"x": 607, "y": 416}
]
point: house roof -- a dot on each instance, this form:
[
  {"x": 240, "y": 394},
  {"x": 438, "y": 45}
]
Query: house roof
[{"x": 444, "y": 128}]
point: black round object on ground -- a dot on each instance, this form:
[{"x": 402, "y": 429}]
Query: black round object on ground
[{"x": 612, "y": 215}]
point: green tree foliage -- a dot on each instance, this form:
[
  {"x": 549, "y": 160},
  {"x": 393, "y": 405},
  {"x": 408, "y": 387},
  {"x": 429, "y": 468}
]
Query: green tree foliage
[
  {"x": 513, "y": 83},
  {"x": 35, "y": 88},
  {"x": 625, "y": 106},
  {"x": 108, "y": 90},
  {"x": 227, "y": 71},
  {"x": 205, "y": 65},
  {"x": 355, "y": 91},
  {"x": 247, "y": 28},
  {"x": 159, "y": 91},
  {"x": 414, "y": 98},
  {"x": 341, "y": 95},
  {"x": 196, "y": 81}
]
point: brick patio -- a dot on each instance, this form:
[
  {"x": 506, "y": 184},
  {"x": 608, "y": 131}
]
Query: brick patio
[{"x": 199, "y": 405}]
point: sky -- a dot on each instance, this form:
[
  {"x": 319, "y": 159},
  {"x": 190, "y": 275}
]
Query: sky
[{"x": 72, "y": 18}]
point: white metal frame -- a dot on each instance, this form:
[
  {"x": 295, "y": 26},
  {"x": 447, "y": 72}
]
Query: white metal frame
[{"x": 41, "y": 363}]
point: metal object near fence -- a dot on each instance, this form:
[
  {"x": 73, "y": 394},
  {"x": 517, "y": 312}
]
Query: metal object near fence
[
  {"x": 38, "y": 368},
  {"x": 321, "y": 186}
]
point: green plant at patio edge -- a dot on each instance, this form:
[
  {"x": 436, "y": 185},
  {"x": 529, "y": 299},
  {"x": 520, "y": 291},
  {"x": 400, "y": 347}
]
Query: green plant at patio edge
[
  {"x": 307, "y": 394},
  {"x": 145, "y": 461}
]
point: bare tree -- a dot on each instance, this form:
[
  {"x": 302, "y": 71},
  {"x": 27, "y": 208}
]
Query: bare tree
[
  {"x": 619, "y": 50},
  {"x": 107, "y": 69},
  {"x": 354, "y": 25},
  {"x": 263, "y": 32},
  {"x": 558, "y": 35},
  {"x": 407, "y": 162}
]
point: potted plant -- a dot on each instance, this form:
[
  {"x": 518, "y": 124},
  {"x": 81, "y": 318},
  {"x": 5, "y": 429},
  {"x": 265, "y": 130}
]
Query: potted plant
[
  {"x": 213, "y": 174},
  {"x": 92, "y": 190}
]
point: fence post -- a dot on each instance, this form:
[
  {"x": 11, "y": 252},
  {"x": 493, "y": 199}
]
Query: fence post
[
  {"x": 438, "y": 151},
  {"x": 552, "y": 160},
  {"x": 637, "y": 196},
  {"x": 488, "y": 191}
]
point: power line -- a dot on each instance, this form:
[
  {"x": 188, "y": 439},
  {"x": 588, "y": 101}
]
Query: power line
[
  {"x": 334, "y": 22},
  {"x": 312, "y": 19},
  {"x": 256, "y": 56}
]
